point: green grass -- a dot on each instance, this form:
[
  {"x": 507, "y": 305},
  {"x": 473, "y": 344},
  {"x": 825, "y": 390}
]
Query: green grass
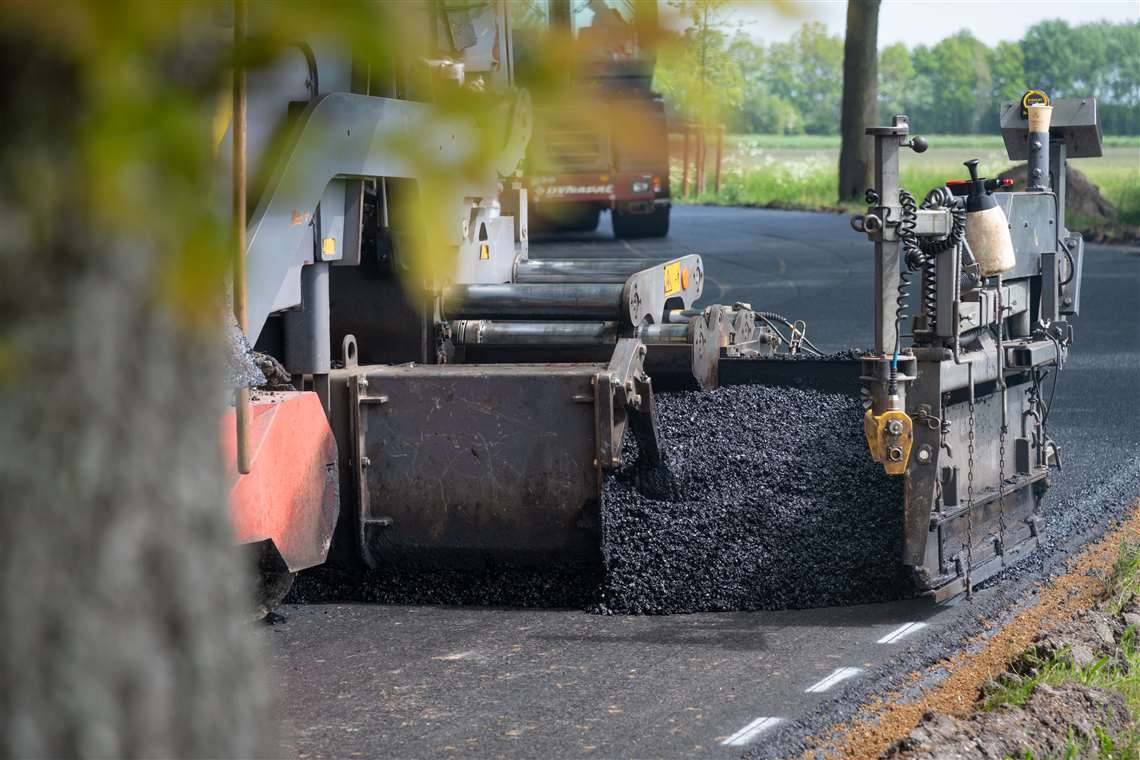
[
  {"x": 801, "y": 171},
  {"x": 825, "y": 142},
  {"x": 1120, "y": 674},
  {"x": 1123, "y": 581}
]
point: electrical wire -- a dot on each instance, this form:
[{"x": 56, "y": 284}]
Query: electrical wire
[
  {"x": 1072, "y": 265},
  {"x": 913, "y": 259},
  {"x": 791, "y": 326},
  {"x": 784, "y": 338}
]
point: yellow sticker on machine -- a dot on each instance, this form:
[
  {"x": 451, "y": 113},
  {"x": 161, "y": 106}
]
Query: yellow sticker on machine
[{"x": 673, "y": 278}]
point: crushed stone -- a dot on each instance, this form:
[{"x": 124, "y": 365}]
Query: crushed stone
[
  {"x": 776, "y": 505},
  {"x": 770, "y": 502},
  {"x": 1052, "y": 718}
]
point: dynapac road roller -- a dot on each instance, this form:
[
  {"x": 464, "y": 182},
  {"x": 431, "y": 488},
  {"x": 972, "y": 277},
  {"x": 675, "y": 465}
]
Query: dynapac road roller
[{"x": 471, "y": 412}]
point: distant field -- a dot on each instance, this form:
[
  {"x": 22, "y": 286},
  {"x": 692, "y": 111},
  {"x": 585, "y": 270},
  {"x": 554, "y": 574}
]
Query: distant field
[
  {"x": 822, "y": 142},
  {"x": 801, "y": 171}
]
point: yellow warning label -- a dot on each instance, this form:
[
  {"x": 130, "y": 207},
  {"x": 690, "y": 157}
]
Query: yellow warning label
[
  {"x": 484, "y": 252},
  {"x": 673, "y": 278},
  {"x": 1032, "y": 98},
  {"x": 328, "y": 247}
]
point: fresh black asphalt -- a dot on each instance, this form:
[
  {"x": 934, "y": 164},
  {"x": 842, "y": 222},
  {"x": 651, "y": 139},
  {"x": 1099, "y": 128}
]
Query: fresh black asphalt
[{"x": 359, "y": 680}]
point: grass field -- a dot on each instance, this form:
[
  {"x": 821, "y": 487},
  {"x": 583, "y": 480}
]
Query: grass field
[{"x": 801, "y": 171}]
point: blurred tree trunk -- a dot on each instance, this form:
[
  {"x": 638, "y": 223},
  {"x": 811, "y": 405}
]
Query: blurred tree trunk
[
  {"x": 860, "y": 97},
  {"x": 123, "y": 626}
]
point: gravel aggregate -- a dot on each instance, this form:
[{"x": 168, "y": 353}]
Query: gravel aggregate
[
  {"x": 777, "y": 505},
  {"x": 770, "y": 501}
]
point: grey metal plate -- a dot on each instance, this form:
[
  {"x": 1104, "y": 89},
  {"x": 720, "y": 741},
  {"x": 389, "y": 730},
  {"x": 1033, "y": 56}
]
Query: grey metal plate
[
  {"x": 1074, "y": 121},
  {"x": 471, "y": 462},
  {"x": 1033, "y": 227}
]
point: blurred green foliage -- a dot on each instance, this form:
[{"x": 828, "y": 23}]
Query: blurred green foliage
[
  {"x": 695, "y": 73},
  {"x": 956, "y": 85},
  {"x": 116, "y": 113},
  {"x": 799, "y": 171}
]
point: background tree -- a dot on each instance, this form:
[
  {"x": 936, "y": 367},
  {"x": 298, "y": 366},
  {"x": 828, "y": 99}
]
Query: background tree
[
  {"x": 897, "y": 81},
  {"x": 956, "y": 85},
  {"x": 1050, "y": 55},
  {"x": 124, "y": 614},
  {"x": 124, "y": 607},
  {"x": 860, "y": 97},
  {"x": 695, "y": 72},
  {"x": 803, "y": 71},
  {"x": 1007, "y": 71}
]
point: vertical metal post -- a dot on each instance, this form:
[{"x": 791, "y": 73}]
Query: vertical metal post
[
  {"x": 719, "y": 153},
  {"x": 1050, "y": 269},
  {"x": 241, "y": 398},
  {"x": 887, "y": 260},
  {"x": 1037, "y": 168},
  {"x": 308, "y": 337},
  {"x": 1058, "y": 171}
]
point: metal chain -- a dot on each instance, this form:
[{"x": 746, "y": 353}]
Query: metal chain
[
  {"x": 1004, "y": 425},
  {"x": 970, "y": 498},
  {"x": 1001, "y": 490}
]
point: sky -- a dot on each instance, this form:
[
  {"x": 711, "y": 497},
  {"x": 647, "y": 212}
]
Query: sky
[{"x": 926, "y": 22}]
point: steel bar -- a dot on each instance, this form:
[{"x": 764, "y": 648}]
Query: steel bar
[
  {"x": 483, "y": 332},
  {"x": 572, "y": 301},
  {"x": 241, "y": 400},
  {"x": 580, "y": 270},
  {"x": 887, "y": 260},
  {"x": 670, "y": 333},
  {"x": 488, "y": 333},
  {"x": 308, "y": 334}
]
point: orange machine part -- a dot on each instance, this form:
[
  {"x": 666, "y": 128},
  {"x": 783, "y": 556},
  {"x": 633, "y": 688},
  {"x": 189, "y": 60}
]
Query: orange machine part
[{"x": 290, "y": 494}]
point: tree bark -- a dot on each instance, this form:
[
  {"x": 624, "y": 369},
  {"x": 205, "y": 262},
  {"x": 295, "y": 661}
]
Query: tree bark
[
  {"x": 123, "y": 611},
  {"x": 860, "y": 97}
]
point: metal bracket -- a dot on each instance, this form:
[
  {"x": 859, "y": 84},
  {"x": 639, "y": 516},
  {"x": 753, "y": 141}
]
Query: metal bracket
[{"x": 621, "y": 390}]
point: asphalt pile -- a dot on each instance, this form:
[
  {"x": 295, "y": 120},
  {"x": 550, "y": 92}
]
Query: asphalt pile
[
  {"x": 493, "y": 585},
  {"x": 764, "y": 498},
  {"x": 776, "y": 504}
]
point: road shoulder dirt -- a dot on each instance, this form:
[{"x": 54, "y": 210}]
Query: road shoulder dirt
[{"x": 1081, "y": 627}]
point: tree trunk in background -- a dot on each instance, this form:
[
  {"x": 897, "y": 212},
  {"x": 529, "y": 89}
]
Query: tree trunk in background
[
  {"x": 123, "y": 617},
  {"x": 860, "y": 97}
]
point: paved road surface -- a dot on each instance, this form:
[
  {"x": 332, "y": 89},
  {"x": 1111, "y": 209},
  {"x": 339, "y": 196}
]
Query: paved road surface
[{"x": 376, "y": 681}]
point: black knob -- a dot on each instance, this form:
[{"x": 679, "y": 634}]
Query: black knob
[
  {"x": 972, "y": 165},
  {"x": 919, "y": 144}
]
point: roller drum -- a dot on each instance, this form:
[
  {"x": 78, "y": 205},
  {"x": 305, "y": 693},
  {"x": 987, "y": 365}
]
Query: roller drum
[
  {"x": 527, "y": 334},
  {"x": 670, "y": 333},
  {"x": 546, "y": 271},
  {"x": 535, "y": 302}
]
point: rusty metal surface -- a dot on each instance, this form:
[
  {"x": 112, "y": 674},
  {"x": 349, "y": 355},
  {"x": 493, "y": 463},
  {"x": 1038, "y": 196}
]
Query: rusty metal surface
[
  {"x": 464, "y": 463},
  {"x": 290, "y": 494}
]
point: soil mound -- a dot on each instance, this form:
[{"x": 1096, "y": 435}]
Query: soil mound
[{"x": 1082, "y": 197}]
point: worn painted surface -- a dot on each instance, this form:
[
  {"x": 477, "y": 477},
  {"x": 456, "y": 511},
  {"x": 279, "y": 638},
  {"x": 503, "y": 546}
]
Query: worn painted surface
[{"x": 290, "y": 493}]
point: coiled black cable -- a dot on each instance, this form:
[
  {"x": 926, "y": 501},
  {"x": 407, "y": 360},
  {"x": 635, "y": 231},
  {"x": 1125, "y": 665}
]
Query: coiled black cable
[
  {"x": 913, "y": 260},
  {"x": 939, "y": 197}
]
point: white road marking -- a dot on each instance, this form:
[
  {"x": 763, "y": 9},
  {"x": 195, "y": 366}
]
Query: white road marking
[
  {"x": 901, "y": 631},
  {"x": 751, "y": 731},
  {"x": 837, "y": 676}
]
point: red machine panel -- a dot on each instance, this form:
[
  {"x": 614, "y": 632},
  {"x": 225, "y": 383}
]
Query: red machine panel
[{"x": 290, "y": 494}]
